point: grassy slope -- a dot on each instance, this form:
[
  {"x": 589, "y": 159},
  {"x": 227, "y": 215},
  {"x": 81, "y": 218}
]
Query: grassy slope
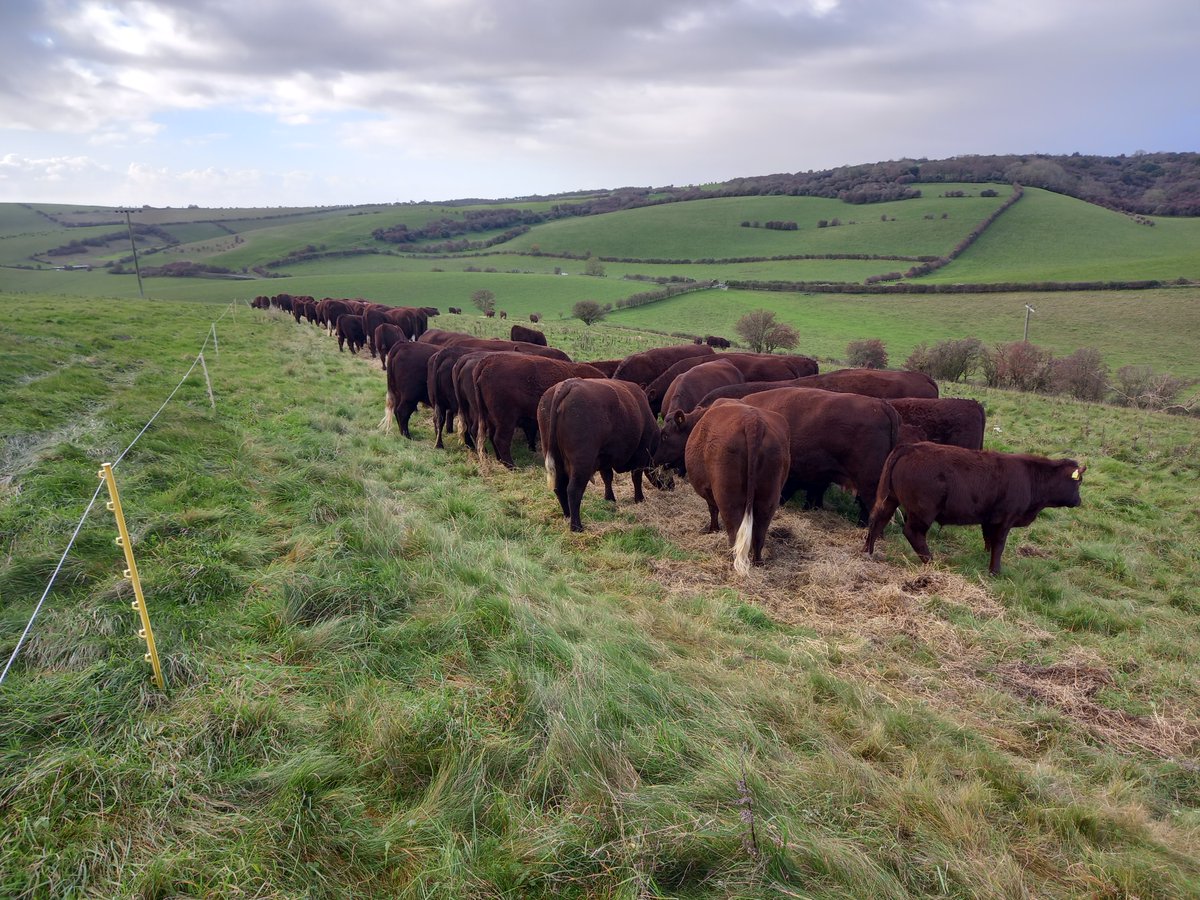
[
  {"x": 712, "y": 228},
  {"x": 394, "y": 674},
  {"x": 1050, "y": 237}
]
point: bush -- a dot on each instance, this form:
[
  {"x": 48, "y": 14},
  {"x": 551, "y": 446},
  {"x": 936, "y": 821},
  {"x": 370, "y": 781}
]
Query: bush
[
  {"x": 869, "y": 353},
  {"x": 760, "y": 330},
  {"x": 1143, "y": 388},
  {"x": 950, "y": 360},
  {"x": 1019, "y": 365},
  {"x": 1083, "y": 375},
  {"x": 589, "y": 311}
]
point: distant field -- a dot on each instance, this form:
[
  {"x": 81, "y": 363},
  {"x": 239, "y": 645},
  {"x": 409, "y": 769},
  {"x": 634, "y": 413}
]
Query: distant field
[
  {"x": 1156, "y": 328},
  {"x": 712, "y": 228},
  {"x": 1051, "y": 237}
]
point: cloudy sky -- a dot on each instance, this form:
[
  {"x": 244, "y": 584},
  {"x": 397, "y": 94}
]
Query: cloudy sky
[{"x": 299, "y": 102}]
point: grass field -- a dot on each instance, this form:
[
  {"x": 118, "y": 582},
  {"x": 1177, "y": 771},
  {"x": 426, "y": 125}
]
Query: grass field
[
  {"x": 393, "y": 672},
  {"x": 1154, "y": 328},
  {"x": 1050, "y": 237}
]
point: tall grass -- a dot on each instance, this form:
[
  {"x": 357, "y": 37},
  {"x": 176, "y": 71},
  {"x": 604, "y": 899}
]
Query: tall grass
[{"x": 394, "y": 673}]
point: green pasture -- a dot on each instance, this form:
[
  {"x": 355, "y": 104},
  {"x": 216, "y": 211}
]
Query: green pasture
[
  {"x": 394, "y": 673},
  {"x": 711, "y": 229},
  {"x": 1051, "y": 237},
  {"x": 1157, "y": 328}
]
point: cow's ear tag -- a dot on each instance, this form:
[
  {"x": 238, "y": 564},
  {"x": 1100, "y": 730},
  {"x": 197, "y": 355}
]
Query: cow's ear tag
[
  {"x": 679, "y": 418},
  {"x": 1075, "y": 475}
]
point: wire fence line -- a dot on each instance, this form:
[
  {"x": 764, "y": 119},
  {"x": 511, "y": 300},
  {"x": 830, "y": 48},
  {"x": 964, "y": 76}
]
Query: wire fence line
[{"x": 211, "y": 335}]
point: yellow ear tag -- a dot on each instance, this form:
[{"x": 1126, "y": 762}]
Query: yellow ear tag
[{"x": 1075, "y": 475}]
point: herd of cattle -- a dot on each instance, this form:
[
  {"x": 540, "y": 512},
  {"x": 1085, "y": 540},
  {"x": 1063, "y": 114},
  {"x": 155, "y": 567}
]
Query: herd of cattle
[{"x": 747, "y": 430}]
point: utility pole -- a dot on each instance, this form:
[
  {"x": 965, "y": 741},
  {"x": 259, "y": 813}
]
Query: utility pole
[
  {"x": 136, "y": 267},
  {"x": 1029, "y": 310}
]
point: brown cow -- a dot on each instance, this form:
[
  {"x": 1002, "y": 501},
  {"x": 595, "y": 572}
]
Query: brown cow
[
  {"x": 753, "y": 366},
  {"x": 953, "y": 486},
  {"x": 406, "y": 383},
  {"x": 387, "y": 336},
  {"x": 350, "y": 331},
  {"x": 642, "y": 368},
  {"x": 594, "y": 425},
  {"x": 534, "y": 318},
  {"x": 737, "y": 460},
  {"x": 607, "y": 366},
  {"x": 692, "y": 386},
  {"x": 841, "y": 439},
  {"x": 944, "y": 420},
  {"x": 717, "y": 343},
  {"x": 882, "y": 383},
  {"x": 528, "y": 335},
  {"x": 508, "y": 387}
]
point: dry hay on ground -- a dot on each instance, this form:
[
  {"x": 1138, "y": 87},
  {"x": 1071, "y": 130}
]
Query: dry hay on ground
[{"x": 815, "y": 575}]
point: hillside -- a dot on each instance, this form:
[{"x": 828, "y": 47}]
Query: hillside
[{"x": 393, "y": 672}]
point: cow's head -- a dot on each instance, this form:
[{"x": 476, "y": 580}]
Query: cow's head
[
  {"x": 673, "y": 438},
  {"x": 1068, "y": 477}
]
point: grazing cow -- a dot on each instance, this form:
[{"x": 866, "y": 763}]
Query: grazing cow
[
  {"x": 455, "y": 311},
  {"x": 737, "y": 460},
  {"x": 490, "y": 314},
  {"x": 508, "y": 387},
  {"x": 387, "y": 336},
  {"x": 693, "y": 385},
  {"x": 753, "y": 366},
  {"x": 881, "y": 383},
  {"x": 642, "y": 368},
  {"x": 534, "y": 318},
  {"x": 528, "y": 335},
  {"x": 944, "y": 420},
  {"x": 591, "y": 425},
  {"x": 407, "y": 385},
  {"x": 953, "y": 486},
  {"x": 350, "y": 331},
  {"x": 717, "y": 343},
  {"x": 440, "y": 387},
  {"x": 841, "y": 439},
  {"x": 503, "y": 314},
  {"x": 607, "y": 366}
]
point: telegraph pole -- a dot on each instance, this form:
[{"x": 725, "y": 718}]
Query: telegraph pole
[
  {"x": 133, "y": 247},
  {"x": 1029, "y": 310}
]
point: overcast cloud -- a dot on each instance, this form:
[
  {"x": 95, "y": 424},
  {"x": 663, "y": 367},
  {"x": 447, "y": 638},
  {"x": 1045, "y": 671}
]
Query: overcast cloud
[{"x": 297, "y": 102}]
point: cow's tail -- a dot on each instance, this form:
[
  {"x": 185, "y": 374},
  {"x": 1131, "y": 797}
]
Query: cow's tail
[
  {"x": 480, "y": 416},
  {"x": 389, "y": 413},
  {"x": 743, "y": 543},
  {"x": 549, "y": 439}
]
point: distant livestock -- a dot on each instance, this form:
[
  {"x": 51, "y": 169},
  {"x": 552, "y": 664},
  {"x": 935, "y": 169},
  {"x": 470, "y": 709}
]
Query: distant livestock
[
  {"x": 717, "y": 343},
  {"x": 953, "y": 486}
]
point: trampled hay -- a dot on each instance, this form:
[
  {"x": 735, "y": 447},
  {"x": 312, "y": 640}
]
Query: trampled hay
[{"x": 815, "y": 575}]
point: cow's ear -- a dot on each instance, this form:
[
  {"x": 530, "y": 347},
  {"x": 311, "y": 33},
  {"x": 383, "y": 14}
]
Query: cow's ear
[
  {"x": 1077, "y": 474},
  {"x": 680, "y": 418}
]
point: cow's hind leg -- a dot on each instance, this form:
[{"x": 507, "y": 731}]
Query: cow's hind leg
[
  {"x": 576, "y": 485},
  {"x": 881, "y": 515},
  {"x": 607, "y": 475},
  {"x": 915, "y": 531},
  {"x": 994, "y": 539}
]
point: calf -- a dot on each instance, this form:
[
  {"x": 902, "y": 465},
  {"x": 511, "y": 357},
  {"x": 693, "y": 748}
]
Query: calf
[
  {"x": 594, "y": 425},
  {"x": 737, "y": 460},
  {"x": 955, "y": 486}
]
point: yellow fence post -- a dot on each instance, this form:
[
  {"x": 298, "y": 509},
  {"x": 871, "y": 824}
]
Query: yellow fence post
[{"x": 124, "y": 542}]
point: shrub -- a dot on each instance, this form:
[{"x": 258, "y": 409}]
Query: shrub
[
  {"x": 1020, "y": 365},
  {"x": 1143, "y": 388},
  {"x": 485, "y": 300},
  {"x": 589, "y": 311},
  {"x": 869, "y": 353},
  {"x": 1083, "y": 375},
  {"x": 760, "y": 330},
  {"x": 950, "y": 360}
]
